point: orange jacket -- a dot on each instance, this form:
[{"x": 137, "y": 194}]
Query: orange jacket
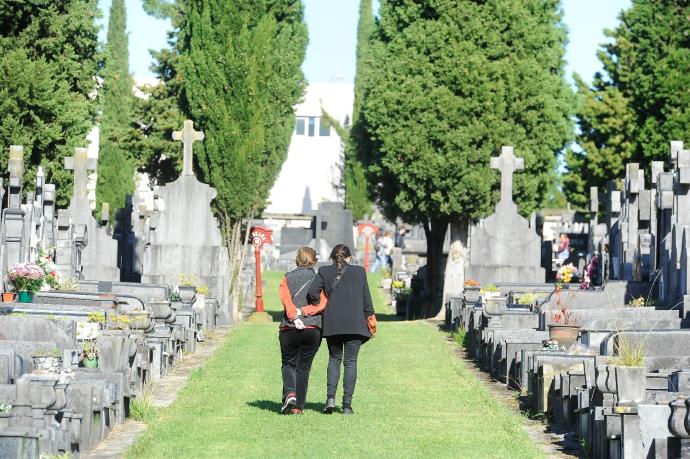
[{"x": 290, "y": 308}]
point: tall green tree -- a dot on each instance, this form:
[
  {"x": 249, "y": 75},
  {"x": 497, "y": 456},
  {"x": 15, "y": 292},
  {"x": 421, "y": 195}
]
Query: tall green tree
[
  {"x": 450, "y": 82},
  {"x": 48, "y": 60},
  {"x": 640, "y": 102},
  {"x": 116, "y": 164}
]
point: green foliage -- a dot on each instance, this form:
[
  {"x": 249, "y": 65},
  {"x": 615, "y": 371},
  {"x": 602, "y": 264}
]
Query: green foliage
[
  {"x": 141, "y": 409},
  {"x": 48, "y": 59},
  {"x": 240, "y": 64},
  {"x": 453, "y": 81},
  {"x": 640, "y": 103},
  {"x": 115, "y": 162},
  {"x": 629, "y": 354}
]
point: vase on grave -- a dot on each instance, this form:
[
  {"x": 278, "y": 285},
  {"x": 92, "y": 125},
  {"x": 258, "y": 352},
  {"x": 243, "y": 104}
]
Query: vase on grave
[
  {"x": 26, "y": 297},
  {"x": 139, "y": 320},
  {"x": 8, "y": 297},
  {"x": 566, "y": 335},
  {"x": 472, "y": 294},
  {"x": 495, "y": 304},
  {"x": 631, "y": 385},
  {"x": 90, "y": 363},
  {"x": 47, "y": 364},
  {"x": 162, "y": 310},
  {"x": 187, "y": 293}
]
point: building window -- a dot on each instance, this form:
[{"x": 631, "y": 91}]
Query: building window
[
  {"x": 312, "y": 126},
  {"x": 299, "y": 126},
  {"x": 324, "y": 128}
]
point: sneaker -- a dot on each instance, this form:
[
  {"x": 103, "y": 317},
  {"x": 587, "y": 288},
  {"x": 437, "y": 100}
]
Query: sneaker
[
  {"x": 296, "y": 411},
  {"x": 289, "y": 403},
  {"x": 347, "y": 410},
  {"x": 330, "y": 405}
]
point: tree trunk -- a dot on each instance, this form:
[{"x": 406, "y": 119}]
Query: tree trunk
[
  {"x": 454, "y": 278},
  {"x": 435, "y": 231}
]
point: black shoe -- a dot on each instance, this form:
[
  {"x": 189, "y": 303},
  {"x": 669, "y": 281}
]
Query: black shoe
[
  {"x": 289, "y": 403},
  {"x": 347, "y": 410},
  {"x": 330, "y": 405}
]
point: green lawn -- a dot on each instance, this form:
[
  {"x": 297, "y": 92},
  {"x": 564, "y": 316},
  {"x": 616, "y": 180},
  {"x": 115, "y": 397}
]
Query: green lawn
[{"x": 414, "y": 398}]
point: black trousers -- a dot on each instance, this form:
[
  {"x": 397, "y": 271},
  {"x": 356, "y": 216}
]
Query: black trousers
[
  {"x": 343, "y": 348},
  {"x": 297, "y": 349}
]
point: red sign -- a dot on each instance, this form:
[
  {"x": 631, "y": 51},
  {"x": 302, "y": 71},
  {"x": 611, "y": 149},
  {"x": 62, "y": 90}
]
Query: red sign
[
  {"x": 260, "y": 235},
  {"x": 367, "y": 229}
]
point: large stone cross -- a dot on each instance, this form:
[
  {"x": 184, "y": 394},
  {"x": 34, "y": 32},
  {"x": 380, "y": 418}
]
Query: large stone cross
[
  {"x": 80, "y": 164},
  {"x": 188, "y": 136},
  {"x": 507, "y": 163}
]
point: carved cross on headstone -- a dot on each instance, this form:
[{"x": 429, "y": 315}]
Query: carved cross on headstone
[
  {"x": 188, "y": 136},
  {"x": 80, "y": 164},
  {"x": 507, "y": 163}
]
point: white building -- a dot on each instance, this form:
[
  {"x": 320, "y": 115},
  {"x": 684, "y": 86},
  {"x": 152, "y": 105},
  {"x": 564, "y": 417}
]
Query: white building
[{"x": 312, "y": 172}]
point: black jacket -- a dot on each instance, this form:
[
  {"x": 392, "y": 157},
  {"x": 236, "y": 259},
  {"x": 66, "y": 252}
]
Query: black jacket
[{"x": 348, "y": 305}]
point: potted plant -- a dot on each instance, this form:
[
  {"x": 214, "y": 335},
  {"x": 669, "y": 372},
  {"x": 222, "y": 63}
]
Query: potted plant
[
  {"x": 51, "y": 280},
  {"x": 89, "y": 354},
  {"x": 187, "y": 288},
  {"x": 495, "y": 304},
  {"x": 472, "y": 291},
  {"x": 26, "y": 279},
  {"x": 630, "y": 373},
  {"x": 565, "y": 326},
  {"x": 566, "y": 274},
  {"x": 138, "y": 319},
  {"x": 119, "y": 321},
  {"x": 47, "y": 361}
]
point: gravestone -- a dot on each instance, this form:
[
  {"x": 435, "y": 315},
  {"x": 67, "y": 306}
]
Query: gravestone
[
  {"x": 185, "y": 237},
  {"x": 503, "y": 247},
  {"x": 13, "y": 215},
  {"x": 99, "y": 257}
]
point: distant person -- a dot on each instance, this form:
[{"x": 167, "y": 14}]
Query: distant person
[
  {"x": 563, "y": 247},
  {"x": 348, "y": 321},
  {"x": 387, "y": 245},
  {"x": 400, "y": 237},
  {"x": 300, "y": 330},
  {"x": 378, "y": 250}
]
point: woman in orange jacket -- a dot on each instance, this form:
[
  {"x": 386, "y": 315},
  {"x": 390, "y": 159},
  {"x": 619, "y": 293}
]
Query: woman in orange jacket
[{"x": 300, "y": 330}]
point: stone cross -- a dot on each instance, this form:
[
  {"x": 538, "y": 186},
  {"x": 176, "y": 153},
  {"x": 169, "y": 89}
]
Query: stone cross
[
  {"x": 188, "y": 136},
  {"x": 507, "y": 163},
  {"x": 80, "y": 164}
]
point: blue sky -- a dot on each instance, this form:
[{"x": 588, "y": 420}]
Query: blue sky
[{"x": 332, "y": 35}]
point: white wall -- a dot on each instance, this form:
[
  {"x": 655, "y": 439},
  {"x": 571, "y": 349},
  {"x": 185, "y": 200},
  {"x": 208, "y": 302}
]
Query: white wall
[{"x": 312, "y": 172}]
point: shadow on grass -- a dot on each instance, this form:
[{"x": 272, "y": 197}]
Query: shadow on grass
[{"x": 274, "y": 406}]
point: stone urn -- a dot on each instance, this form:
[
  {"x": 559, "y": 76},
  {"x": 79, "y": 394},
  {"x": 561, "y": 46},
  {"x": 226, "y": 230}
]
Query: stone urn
[
  {"x": 47, "y": 364},
  {"x": 472, "y": 294},
  {"x": 566, "y": 335},
  {"x": 139, "y": 320},
  {"x": 495, "y": 304},
  {"x": 631, "y": 385},
  {"x": 679, "y": 421},
  {"x": 161, "y": 309},
  {"x": 602, "y": 374},
  {"x": 187, "y": 293}
]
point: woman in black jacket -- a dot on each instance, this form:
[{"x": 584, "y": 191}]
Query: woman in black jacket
[{"x": 348, "y": 321}]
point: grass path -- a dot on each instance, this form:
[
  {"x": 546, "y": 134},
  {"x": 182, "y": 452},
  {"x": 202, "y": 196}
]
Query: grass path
[{"x": 414, "y": 398}]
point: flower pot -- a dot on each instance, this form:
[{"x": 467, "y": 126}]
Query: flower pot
[
  {"x": 472, "y": 295},
  {"x": 8, "y": 297},
  {"x": 90, "y": 363},
  {"x": 566, "y": 335},
  {"x": 631, "y": 385},
  {"x": 26, "y": 297},
  {"x": 187, "y": 293},
  {"x": 47, "y": 364},
  {"x": 495, "y": 305},
  {"x": 139, "y": 320},
  {"x": 161, "y": 309}
]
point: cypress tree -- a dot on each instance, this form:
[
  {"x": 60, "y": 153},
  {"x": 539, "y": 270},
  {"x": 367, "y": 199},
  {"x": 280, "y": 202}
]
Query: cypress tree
[
  {"x": 453, "y": 82},
  {"x": 48, "y": 59},
  {"x": 241, "y": 75},
  {"x": 115, "y": 163},
  {"x": 640, "y": 102}
]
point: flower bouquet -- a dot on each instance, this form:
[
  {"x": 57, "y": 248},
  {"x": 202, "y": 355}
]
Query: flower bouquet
[
  {"x": 26, "y": 279},
  {"x": 51, "y": 278},
  {"x": 566, "y": 274}
]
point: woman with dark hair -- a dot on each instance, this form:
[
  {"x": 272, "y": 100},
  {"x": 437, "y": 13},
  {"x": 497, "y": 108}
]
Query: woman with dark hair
[
  {"x": 348, "y": 321},
  {"x": 300, "y": 330}
]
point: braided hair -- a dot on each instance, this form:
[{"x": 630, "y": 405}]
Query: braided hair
[{"x": 338, "y": 255}]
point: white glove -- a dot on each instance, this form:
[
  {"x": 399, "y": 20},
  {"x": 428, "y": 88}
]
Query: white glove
[
  {"x": 299, "y": 325},
  {"x": 299, "y": 312}
]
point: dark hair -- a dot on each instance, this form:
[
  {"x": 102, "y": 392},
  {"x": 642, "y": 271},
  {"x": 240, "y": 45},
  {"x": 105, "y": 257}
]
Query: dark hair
[{"x": 338, "y": 255}]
